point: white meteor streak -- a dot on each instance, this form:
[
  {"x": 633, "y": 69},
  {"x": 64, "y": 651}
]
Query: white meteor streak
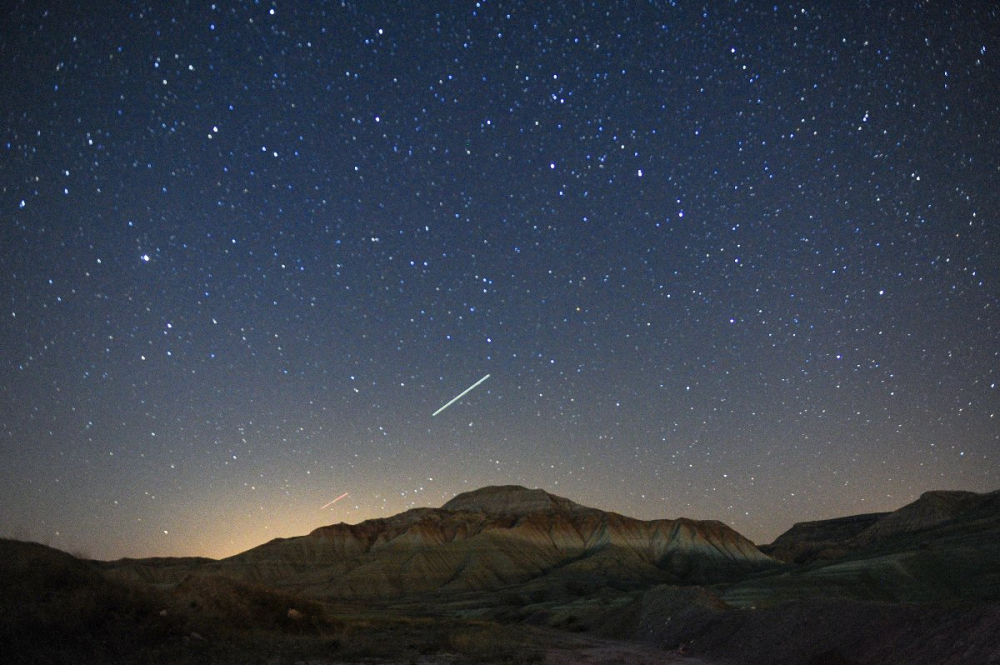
[
  {"x": 334, "y": 501},
  {"x": 460, "y": 395}
]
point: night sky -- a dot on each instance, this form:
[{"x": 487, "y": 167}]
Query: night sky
[{"x": 721, "y": 260}]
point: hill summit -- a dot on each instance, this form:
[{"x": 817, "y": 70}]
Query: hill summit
[{"x": 513, "y": 500}]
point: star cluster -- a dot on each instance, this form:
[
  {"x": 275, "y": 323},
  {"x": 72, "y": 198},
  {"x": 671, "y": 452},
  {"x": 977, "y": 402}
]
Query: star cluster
[{"x": 731, "y": 261}]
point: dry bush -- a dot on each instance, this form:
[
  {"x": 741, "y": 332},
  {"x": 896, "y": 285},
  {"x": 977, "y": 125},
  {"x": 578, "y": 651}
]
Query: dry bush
[
  {"x": 55, "y": 608},
  {"x": 242, "y": 606},
  {"x": 492, "y": 643}
]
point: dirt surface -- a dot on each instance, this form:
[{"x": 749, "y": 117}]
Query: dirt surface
[
  {"x": 564, "y": 650},
  {"x": 593, "y": 651}
]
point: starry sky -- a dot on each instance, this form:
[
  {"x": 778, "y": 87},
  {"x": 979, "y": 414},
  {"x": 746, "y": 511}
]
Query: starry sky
[{"x": 721, "y": 260}]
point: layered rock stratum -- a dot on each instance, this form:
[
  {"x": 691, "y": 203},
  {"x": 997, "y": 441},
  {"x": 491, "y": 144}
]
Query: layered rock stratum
[
  {"x": 835, "y": 538},
  {"x": 485, "y": 540}
]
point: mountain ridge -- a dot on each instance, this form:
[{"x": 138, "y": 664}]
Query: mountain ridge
[
  {"x": 487, "y": 539},
  {"x": 834, "y": 538},
  {"x": 510, "y": 537}
]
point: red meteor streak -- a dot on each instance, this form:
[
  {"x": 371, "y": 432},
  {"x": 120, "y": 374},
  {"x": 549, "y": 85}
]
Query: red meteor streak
[{"x": 334, "y": 501}]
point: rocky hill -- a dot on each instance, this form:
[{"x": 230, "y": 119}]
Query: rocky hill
[
  {"x": 942, "y": 548},
  {"x": 823, "y": 539},
  {"x": 485, "y": 540},
  {"x": 831, "y": 539},
  {"x": 932, "y": 509}
]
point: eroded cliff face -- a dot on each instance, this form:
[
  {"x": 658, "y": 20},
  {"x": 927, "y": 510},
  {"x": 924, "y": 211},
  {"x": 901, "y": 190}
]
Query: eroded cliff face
[
  {"x": 824, "y": 540},
  {"x": 930, "y": 510},
  {"x": 494, "y": 538},
  {"x": 485, "y": 540}
]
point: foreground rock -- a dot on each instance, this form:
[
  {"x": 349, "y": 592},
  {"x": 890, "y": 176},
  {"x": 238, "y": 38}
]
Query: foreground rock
[{"x": 815, "y": 630}]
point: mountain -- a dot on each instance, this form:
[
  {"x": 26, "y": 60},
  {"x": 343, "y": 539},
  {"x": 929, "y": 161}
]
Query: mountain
[
  {"x": 932, "y": 509},
  {"x": 822, "y": 539},
  {"x": 485, "y": 540},
  {"x": 830, "y": 539},
  {"x": 942, "y": 548}
]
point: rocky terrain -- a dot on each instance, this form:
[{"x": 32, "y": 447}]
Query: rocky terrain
[
  {"x": 831, "y": 539},
  {"x": 512, "y": 575},
  {"x": 806, "y": 542},
  {"x": 482, "y": 541}
]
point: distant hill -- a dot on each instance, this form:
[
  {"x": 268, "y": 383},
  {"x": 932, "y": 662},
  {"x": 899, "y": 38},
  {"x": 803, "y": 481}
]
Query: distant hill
[
  {"x": 943, "y": 547},
  {"x": 485, "y": 540},
  {"x": 823, "y": 539},
  {"x": 830, "y": 539}
]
